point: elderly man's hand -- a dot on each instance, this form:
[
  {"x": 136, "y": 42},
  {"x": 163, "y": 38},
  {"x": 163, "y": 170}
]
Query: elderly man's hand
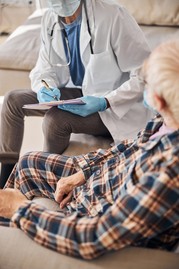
[
  {"x": 10, "y": 201},
  {"x": 63, "y": 191},
  {"x": 65, "y": 186}
]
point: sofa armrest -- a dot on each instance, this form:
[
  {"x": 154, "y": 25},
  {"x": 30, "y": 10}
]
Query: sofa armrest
[{"x": 8, "y": 157}]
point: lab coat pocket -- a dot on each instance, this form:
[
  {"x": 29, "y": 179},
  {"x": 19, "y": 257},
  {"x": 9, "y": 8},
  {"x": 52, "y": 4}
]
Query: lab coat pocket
[{"x": 102, "y": 74}]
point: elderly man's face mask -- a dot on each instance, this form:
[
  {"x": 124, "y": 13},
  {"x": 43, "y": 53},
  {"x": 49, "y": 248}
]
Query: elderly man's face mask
[{"x": 64, "y": 8}]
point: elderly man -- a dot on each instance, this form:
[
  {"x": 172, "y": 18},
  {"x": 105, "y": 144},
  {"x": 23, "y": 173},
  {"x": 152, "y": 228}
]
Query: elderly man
[{"x": 108, "y": 199}]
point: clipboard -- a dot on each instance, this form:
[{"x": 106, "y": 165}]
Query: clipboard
[{"x": 48, "y": 105}]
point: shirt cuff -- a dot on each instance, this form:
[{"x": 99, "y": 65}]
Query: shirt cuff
[{"x": 82, "y": 164}]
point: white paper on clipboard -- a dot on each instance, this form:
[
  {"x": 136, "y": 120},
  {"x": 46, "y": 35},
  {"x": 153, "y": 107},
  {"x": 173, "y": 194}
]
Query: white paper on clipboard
[{"x": 48, "y": 105}]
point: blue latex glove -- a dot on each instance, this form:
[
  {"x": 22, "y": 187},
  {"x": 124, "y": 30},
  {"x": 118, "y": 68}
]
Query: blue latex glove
[
  {"x": 93, "y": 105},
  {"x": 47, "y": 95}
]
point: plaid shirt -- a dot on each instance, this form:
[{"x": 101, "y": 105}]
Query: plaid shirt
[{"x": 130, "y": 197}]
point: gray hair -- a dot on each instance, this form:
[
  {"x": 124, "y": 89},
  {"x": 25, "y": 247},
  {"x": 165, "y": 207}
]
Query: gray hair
[{"x": 161, "y": 72}]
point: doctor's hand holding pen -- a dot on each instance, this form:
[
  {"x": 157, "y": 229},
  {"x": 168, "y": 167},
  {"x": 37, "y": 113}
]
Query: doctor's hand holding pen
[
  {"x": 48, "y": 94},
  {"x": 92, "y": 104}
]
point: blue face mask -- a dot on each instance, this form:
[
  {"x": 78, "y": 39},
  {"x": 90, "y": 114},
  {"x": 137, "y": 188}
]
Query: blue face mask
[
  {"x": 64, "y": 8},
  {"x": 146, "y": 103}
]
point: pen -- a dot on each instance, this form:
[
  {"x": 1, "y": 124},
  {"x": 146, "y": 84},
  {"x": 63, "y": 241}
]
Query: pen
[{"x": 48, "y": 87}]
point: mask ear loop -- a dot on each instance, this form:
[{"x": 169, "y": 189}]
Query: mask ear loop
[{"x": 89, "y": 30}]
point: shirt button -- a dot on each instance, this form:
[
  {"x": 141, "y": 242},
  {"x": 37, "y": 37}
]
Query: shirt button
[{"x": 98, "y": 172}]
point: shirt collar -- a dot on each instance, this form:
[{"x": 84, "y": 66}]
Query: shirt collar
[{"x": 166, "y": 140}]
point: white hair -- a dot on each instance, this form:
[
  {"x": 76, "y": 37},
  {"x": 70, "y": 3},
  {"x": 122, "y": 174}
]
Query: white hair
[{"x": 161, "y": 72}]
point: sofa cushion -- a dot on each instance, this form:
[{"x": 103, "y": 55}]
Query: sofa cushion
[
  {"x": 14, "y": 13},
  {"x": 153, "y": 12},
  {"x": 159, "y": 34},
  {"x": 19, "y": 251},
  {"x": 16, "y": 46},
  {"x": 20, "y": 50}
]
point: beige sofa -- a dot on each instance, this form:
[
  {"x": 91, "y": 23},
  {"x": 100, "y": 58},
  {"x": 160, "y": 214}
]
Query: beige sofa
[
  {"x": 14, "y": 13},
  {"x": 159, "y": 19}
]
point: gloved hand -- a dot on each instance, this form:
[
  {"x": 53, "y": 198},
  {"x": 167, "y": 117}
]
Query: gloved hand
[
  {"x": 47, "y": 95},
  {"x": 93, "y": 105}
]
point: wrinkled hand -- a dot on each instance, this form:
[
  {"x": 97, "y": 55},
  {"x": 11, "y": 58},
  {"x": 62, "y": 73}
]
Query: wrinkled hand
[
  {"x": 93, "y": 105},
  {"x": 48, "y": 95},
  {"x": 10, "y": 201},
  {"x": 65, "y": 186},
  {"x": 63, "y": 193}
]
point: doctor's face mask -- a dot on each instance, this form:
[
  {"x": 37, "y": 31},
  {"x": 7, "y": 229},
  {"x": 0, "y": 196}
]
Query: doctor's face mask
[{"x": 64, "y": 8}]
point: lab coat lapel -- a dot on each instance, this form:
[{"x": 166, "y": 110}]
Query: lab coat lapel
[
  {"x": 85, "y": 36},
  {"x": 57, "y": 43}
]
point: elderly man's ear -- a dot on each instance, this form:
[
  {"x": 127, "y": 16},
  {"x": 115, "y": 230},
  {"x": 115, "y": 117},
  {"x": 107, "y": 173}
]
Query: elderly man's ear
[{"x": 160, "y": 103}]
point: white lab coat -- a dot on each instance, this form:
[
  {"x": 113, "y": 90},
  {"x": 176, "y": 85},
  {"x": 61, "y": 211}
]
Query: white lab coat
[{"x": 119, "y": 49}]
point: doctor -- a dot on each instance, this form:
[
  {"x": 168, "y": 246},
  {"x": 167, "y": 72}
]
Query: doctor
[{"x": 89, "y": 49}]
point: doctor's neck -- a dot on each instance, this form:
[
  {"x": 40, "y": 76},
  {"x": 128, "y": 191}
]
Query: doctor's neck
[{"x": 70, "y": 19}]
